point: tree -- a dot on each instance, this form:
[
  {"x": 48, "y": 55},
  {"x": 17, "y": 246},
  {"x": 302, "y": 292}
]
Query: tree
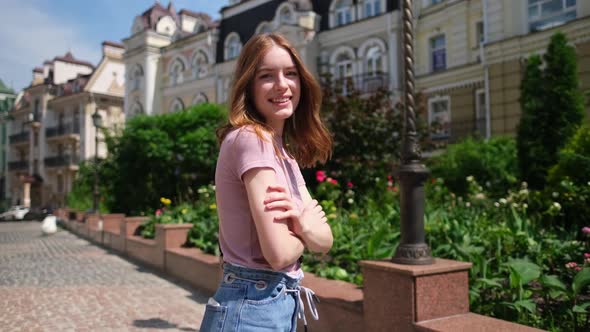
[
  {"x": 168, "y": 155},
  {"x": 553, "y": 108}
]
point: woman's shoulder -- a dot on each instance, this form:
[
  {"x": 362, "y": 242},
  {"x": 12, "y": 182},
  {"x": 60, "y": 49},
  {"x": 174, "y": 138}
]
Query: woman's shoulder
[{"x": 247, "y": 134}]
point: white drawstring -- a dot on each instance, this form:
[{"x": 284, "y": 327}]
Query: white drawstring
[{"x": 311, "y": 299}]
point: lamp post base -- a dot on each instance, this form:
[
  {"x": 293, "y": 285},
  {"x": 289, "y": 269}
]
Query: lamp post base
[{"x": 413, "y": 254}]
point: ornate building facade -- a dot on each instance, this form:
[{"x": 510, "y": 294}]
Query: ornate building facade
[{"x": 51, "y": 129}]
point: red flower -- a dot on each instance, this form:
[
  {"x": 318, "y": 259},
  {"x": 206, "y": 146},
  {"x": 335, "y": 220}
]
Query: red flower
[
  {"x": 158, "y": 212},
  {"x": 349, "y": 184},
  {"x": 332, "y": 181},
  {"x": 320, "y": 176}
]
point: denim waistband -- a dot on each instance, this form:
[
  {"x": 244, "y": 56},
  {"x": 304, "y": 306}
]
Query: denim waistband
[
  {"x": 271, "y": 277},
  {"x": 262, "y": 278}
]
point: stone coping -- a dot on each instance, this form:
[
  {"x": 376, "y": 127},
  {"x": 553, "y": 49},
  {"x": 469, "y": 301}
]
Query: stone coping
[
  {"x": 471, "y": 322},
  {"x": 440, "y": 266},
  {"x": 139, "y": 239}
]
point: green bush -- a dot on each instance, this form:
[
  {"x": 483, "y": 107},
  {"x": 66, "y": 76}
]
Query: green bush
[
  {"x": 492, "y": 163},
  {"x": 164, "y": 155}
]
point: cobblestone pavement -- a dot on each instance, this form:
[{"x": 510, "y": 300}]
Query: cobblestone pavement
[{"x": 64, "y": 283}]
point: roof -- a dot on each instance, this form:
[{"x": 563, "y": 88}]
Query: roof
[
  {"x": 113, "y": 44},
  {"x": 5, "y": 89},
  {"x": 152, "y": 15},
  {"x": 68, "y": 57}
]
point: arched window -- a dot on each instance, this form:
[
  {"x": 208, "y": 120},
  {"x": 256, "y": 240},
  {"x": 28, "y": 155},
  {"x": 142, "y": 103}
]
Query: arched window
[
  {"x": 200, "y": 65},
  {"x": 176, "y": 72},
  {"x": 374, "y": 61},
  {"x": 343, "y": 64},
  {"x": 136, "y": 109},
  {"x": 200, "y": 98},
  {"x": 264, "y": 27},
  {"x": 136, "y": 77},
  {"x": 233, "y": 46},
  {"x": 177, "y": 105},
  {"x": 200, "y": 27},
  {"x": 285, "y": 14}
]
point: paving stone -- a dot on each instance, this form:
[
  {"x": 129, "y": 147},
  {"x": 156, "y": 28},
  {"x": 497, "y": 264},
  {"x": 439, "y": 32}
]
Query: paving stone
[{"x": 65, "y": 283}]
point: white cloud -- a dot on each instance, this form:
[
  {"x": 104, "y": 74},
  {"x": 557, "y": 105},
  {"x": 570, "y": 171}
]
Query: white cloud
[{"x": 30, "y": 36}]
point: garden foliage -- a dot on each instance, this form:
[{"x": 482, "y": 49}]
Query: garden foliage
[{"x": 553, "y": 108}]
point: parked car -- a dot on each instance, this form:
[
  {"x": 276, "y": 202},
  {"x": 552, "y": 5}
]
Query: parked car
[
  {"x": 38, "y": 213},
  {"x": 16, "y": 212}
]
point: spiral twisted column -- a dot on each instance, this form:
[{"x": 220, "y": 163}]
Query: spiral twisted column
[{"x": 412, "y": 249}]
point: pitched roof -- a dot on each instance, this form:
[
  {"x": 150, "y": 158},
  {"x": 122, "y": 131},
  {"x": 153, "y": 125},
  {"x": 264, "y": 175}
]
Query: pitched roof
[
  {"x": 152, "y": 15},
  {"x": 68, "y": 57}
]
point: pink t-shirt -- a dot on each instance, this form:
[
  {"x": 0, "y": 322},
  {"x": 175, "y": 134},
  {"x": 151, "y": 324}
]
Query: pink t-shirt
[{"x": 242, "y": 150}]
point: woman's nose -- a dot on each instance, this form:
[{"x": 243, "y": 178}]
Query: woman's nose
[{"x": 281, "y": 82}]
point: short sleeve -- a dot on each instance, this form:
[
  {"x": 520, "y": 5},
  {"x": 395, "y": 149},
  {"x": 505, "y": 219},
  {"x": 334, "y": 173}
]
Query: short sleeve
[{"x": 251, "y": 151}]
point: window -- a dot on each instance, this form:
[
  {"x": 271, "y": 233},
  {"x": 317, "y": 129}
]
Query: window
[
  {"x": 264, "y": 27},
  {"x": 438, "y": 53},
  {"x": 372, "y": 8},
  {"x": 434, "y": 2},
  {"x": 60, "y": 183},
  {"x": 136, "y": 109},
  {"x": 286, "y": 16},
  {"x": 200, "y": 65},
  {"x": 177, "y": 105},
  {"x": 544, "y": 14},
  {"x": 136, "y": 77},
  {"x": 374, "y": 61},
  {"x": 439, "y": 118},
  {"x": 343, "y": 11},
  {"x": 176, "y": 72},
  {"x": 233, "y": 46},
  {"x": 344, "y": 73},
  {"x": 200, "y": 99},
  {"x": 479, "y": 33}
]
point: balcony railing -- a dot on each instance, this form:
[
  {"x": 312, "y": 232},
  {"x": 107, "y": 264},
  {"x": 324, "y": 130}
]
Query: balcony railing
[
  {"x": 58, "y": 161},
  {"x": 363, "y": 83},
  {"x": 64, "y": 129},
  {"x": 18, "y": 165},
  {"x": 19, "y": 138}
]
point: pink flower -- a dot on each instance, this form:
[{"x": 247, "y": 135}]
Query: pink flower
[
  {"x": 586, "y": 230},
  {"x": 571, "y": 265},
  {"x": 332, "y": 181},
  {"x": 320, "y": 176},
  {"x": 349, "y": 184},
  {"x": 158, "y": 212},
  {"x": 578, "y": 268},
  {"x": 586, "y": 255}
]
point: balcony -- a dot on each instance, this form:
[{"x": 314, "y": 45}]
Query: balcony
[
  {"x": 367, "y": 83},
  {"x": 18, "y": 165},
  {"x": 62, "y": 161},
  {"x": 20, "y": 138},
  {"x": 63, "y": 131},
  {"x": 35, "y": 119}
]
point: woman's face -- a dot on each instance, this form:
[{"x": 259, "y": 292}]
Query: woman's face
[{"x": 276, "y": 87}]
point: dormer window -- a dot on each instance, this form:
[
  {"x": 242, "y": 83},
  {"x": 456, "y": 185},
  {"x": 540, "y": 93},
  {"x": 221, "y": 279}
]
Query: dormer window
[
  {"x": 264, "y": 27},
  {"x": 372, "y": 8},
  {"x": 233, "y": 46},
  {"x": 342, "y": 12}
]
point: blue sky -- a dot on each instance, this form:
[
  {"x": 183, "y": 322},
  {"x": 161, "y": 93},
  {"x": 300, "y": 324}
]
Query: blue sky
[{"x": 32, "y": 31}]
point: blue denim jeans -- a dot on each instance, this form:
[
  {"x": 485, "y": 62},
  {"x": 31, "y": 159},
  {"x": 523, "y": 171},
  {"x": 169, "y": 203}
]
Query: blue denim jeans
[{"x": 251, "y": 300}]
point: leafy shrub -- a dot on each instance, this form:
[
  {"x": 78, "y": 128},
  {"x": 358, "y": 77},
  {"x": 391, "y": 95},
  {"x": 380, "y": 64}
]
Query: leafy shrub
[
  {"x": 164, "y": 155},
  {"x": 492, "y": 162}
]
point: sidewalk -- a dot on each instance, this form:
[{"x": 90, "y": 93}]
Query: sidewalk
[{"x": 64, "y": 283}]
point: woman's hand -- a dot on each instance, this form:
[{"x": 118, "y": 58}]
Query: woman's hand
[{"x": 310, "y": 223}]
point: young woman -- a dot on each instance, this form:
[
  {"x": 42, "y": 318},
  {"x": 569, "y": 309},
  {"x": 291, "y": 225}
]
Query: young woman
[{"x": 266, "y": 215}]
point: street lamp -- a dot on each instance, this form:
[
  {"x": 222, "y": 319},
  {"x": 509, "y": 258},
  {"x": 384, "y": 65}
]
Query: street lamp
[
  {"x": 412, "y": 249},
  {"x": 97, "y": 121}
]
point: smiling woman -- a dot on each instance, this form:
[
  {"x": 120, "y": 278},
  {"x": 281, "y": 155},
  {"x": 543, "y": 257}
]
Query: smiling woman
[{"x": 267, "y": 217}]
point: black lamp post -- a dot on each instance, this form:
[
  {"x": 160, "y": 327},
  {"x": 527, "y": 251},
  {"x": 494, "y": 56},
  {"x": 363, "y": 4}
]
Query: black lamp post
[
  {"x": 412, "y": 249},
  {"x": 97, "y": 121}
]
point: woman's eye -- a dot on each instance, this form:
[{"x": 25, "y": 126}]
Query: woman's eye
[
  {"x": 264, "y": 76},
  {"x": 292, "y": 73}
]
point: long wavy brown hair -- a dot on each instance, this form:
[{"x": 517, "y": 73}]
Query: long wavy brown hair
[{"x": 304, "y": 136}]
